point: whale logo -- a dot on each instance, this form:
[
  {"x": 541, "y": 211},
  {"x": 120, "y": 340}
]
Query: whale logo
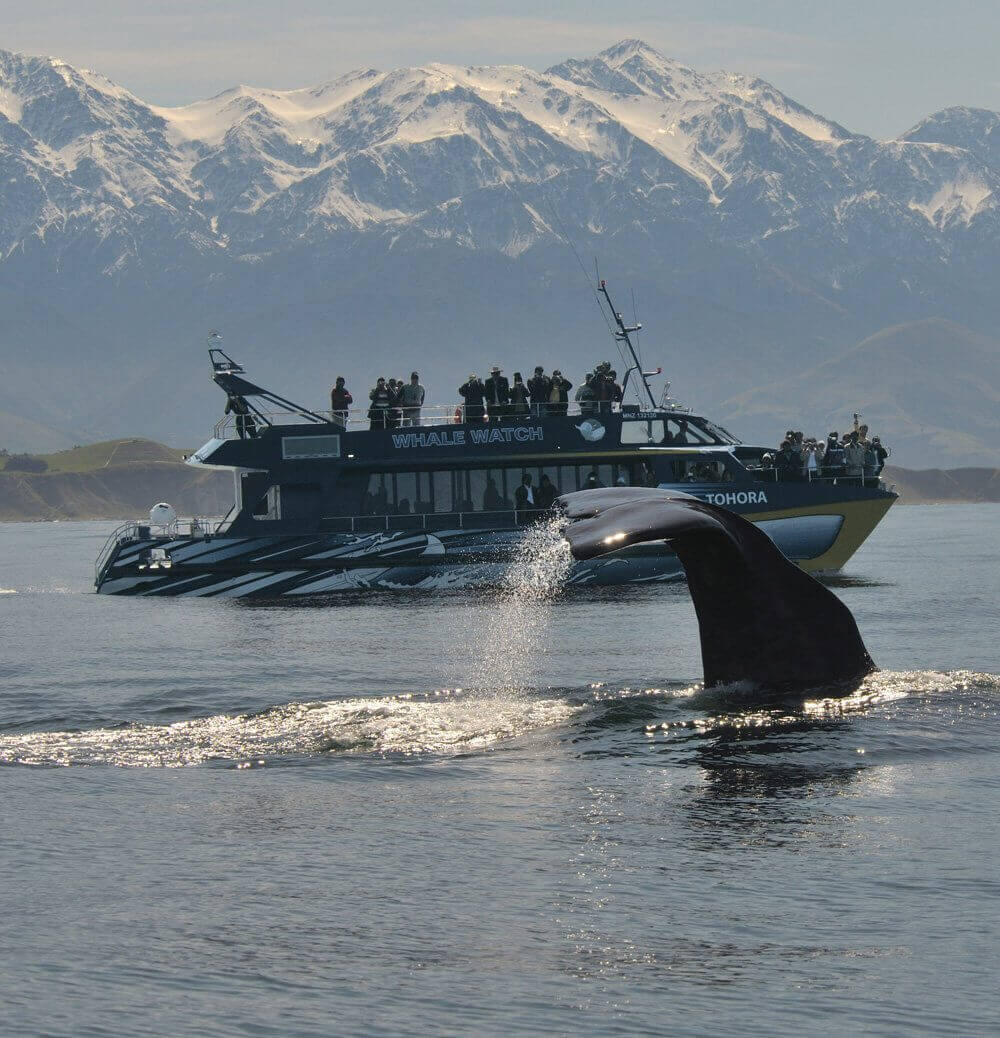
[{"x": 591, "y": 430}]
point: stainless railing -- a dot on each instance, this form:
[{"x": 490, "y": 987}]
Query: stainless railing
[
  {"x": 134, "y": 531},
  {"x": 436, "y": 415},
  {"x": 422, "y": 521}
]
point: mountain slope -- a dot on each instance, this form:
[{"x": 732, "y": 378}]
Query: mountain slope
[
  {"x": 423, "y": 217},
  {"x": 930, "y": 388}
]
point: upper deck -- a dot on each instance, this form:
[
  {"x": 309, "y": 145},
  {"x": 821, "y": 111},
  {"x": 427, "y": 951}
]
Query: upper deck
[{"x": 285, "y": 435}]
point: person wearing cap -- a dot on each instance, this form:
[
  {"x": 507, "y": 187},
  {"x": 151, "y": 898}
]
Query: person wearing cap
[
  {"x": 497, "y": 394},
  {"x": 473, "y": 392},
  {"x": 539, "y": 386},
  {"x": 559, "y": 393},
  {"x": 411, "y": 397}
]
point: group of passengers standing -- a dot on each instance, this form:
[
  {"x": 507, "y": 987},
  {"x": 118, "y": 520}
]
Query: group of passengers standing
[
  {"x": 494, "y": 398},
  {"x": 394, "y": 403},
  {"x": 853, "y": 457}
]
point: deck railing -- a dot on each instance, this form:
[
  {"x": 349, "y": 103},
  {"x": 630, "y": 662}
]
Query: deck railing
[{"x": 435, "y": 415}]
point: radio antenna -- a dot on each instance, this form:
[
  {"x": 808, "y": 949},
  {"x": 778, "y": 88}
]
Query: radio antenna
[{"x": 624, "y": 335}]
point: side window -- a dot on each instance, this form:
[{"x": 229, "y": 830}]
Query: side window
[
  {"x": 649, "y": 431},
  {"x": 376, "y": 498}
]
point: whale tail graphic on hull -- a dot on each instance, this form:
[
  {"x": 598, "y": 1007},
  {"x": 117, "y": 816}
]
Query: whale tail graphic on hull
[{"x": 761, "y": 618}]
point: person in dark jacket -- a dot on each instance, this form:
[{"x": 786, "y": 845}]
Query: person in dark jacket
[
  {"x": 559, "y": 393},
  {"x": 524, "y": 496},
  {"x": 497, "y": 395},
  {"x": 519, "y": 398},
  {"x": 881, "y": 453},
  {"x": 381, "y": 405},
  {"x": 546, "y": 493},
  {"x": 833, "y": 459},
  {"x": 245, "y": 425},
  {"x": 614, "y": 389},
  {"x": 473, "y": 392},
  {"x": 592, "y": 482},
  {"x": 340, "y": 401},
  {"x": 538, "y": 389}
]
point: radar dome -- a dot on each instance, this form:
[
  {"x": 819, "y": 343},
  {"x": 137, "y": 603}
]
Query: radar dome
[{"x": 162, "y": 514}]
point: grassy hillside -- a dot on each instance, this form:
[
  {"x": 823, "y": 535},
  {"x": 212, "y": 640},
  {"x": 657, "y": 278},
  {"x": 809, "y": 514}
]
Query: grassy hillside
[
  {"x": 930, "y": 388},
  {"x": 111, "y": 480}
]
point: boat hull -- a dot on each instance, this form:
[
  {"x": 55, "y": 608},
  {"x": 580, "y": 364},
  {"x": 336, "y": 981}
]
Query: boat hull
[{"x": 820, "y": 537}]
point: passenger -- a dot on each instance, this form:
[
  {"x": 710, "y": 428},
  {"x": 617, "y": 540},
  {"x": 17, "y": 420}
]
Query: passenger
[
  {"x": 538, "y": 389},
  {"x": 592, "y": 481},
  {"x": 473, "y": 392},
  {"x": 492, "y": 501},
  {"x": 524, "y": 496},
  {"x": 412, "y": 398},
  {"x": 870, "y": 462},
  {"x": 546, "y": 493},
  {"x": 811, "y": 466},
  {"x": 621, "y": 481},
  {"x": 881, "y": 453},
  {"x": 497, "y": 395},
  {"x": 586, "y": 397},
  {"x": 786, "y": 463},
  {"x": 393, "y": 414},
  {"x": 559, "y": 393},
  {"x": 649, "y": 478},
  {"x": 613, "y": 387},
  {"x": 246, "y": 427},
  {"x": 854, "y": 458},
  {"x": 381, "y": 404},
  {"x": 519, "y": 405},
  {"x": 602, "y": 387},
  {"x": 340, "y": 401},
  {"x": 833, "y": 458}
]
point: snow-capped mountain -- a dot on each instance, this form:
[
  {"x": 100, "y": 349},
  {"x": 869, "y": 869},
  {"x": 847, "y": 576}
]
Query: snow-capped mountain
[{"x": 408, "y": 205}]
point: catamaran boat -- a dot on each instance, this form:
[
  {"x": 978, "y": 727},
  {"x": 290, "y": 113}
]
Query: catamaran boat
[{"x": 324, "y": 504}]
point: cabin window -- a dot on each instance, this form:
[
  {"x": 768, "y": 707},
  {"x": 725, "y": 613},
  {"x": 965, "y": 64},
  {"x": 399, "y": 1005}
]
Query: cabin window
[
  {"x": 304, "y": 448},
  {"x": 649, "y": 431},
  {"x": 680, "y": 431}
]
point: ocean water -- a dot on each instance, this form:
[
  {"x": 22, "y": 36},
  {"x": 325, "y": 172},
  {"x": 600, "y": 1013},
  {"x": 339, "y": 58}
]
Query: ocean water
[{"x": 495, "y": 813}]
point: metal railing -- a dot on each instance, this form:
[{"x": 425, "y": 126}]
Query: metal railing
[
  {"x": 135, "y": 531},
  {"x": 436, "y": 415},
  {"x": 431, "y": 521}
]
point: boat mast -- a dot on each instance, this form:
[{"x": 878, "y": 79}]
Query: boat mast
[{"x": 623, "y": 335}]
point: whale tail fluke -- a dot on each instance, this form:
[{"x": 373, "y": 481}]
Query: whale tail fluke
[{"x": 761, "y": 618}]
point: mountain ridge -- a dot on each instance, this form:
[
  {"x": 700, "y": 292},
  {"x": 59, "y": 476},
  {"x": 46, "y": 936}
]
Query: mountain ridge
[{"x": 755, "y": 232}]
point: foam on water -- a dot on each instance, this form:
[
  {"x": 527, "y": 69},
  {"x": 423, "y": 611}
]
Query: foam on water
[{"x": 442, "y": 722}]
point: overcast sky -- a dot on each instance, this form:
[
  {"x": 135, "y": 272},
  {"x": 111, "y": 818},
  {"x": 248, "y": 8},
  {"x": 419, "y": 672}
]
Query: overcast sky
[{"x": 876, "y": 67}]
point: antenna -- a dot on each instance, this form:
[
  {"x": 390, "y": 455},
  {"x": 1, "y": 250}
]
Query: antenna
[{"x": 623, "y": 335}]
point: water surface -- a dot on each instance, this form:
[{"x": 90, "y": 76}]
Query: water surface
[{"x": 475, "y": 813}]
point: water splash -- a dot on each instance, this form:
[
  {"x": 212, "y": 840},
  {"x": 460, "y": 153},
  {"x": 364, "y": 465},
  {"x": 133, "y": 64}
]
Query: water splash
[
  {"x": 510, "y": 630},
  {"x": 440, "y": 722}
]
